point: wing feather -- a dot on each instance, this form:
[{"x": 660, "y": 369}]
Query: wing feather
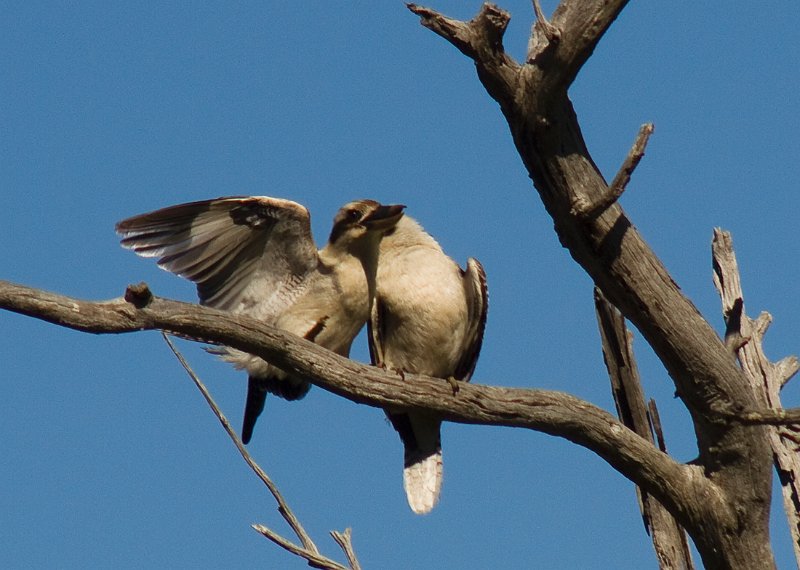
[
  {"x": 246, "y": 254},
  {"x": 477, "y": 292},
  {"x": 376, "y": 332}
]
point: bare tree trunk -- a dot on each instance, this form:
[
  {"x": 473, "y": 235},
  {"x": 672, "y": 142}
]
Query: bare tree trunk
[{"x": 731, "y": 531}]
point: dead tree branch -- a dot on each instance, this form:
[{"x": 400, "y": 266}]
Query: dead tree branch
[
  {"x": 620, "y": 182},
  {"x": 309, "y": 550},
  {"x": 345, "y": 541},
  {"x": 550, "y": 412},
  {"x": 766, "y": 378},
  {"x": 669, "y": 539},
  {"x": 533, "y": 98}
]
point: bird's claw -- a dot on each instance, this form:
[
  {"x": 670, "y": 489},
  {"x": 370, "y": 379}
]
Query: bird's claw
[
  {"x": 398, "y": 371},
  {"x": 453, "y": 384}
]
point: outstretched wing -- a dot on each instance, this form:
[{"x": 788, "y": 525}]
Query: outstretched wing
[
  {"x": 246, "y": 254},
  {"x": 477, "y": 293}
]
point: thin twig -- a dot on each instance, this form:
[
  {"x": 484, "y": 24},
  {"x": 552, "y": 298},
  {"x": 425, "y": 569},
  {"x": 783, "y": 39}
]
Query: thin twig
[
  {"x": 315, "y": 560},
  {"x": 344, "y": 540},
  {"x": 620, "y": 182},
  {"x": 283, "y": 507},
  {"x": 309, "y": 550}
]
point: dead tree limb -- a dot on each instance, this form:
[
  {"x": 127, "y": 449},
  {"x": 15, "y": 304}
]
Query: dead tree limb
[
  {"x": 550, "y": 412},
  {"x": 308, "y": 550},
  {"x": 620, "y": 182},
  {"x": 669, "y": 539},
  {"x": 766, "y": 378},
  {"x": 533, "y": 98}
]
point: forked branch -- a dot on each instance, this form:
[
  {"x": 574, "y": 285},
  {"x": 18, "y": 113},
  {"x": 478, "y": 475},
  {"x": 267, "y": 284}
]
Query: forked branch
[
  {"x": 308, "y": 550},
  {"x": 766, "y": 378},
  {"x": 543, "y": 123}
]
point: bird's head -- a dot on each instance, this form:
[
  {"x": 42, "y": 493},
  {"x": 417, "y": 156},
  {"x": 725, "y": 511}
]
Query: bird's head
[{"x": 363, "y": 219}]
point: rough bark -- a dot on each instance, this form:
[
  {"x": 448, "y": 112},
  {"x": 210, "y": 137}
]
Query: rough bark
[
  {"x": 745, "y": 336},
  {"x": 669, "y": 539},
  {"x": 533, "y": 99}
]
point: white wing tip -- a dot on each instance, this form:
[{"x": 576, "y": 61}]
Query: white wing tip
[{"x": 423, "y": 482}]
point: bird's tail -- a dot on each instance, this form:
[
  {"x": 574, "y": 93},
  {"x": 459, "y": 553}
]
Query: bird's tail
[
  {"x": 286, "y": 387},
  {"x": 422, "y": 460},
  {"x": 422, "y": 480},
  {"x": 254, "y": 405}
]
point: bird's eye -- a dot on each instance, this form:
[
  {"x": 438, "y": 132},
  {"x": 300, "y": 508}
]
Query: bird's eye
[{"x": 353, "y": 215}]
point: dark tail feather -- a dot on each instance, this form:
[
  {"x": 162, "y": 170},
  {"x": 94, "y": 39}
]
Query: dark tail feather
[
  {"x": 254, "y": 405},
  {"x": 257, "y": 389}
]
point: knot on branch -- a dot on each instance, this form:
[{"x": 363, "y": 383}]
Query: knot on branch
[{"x": 139, "y": 295}]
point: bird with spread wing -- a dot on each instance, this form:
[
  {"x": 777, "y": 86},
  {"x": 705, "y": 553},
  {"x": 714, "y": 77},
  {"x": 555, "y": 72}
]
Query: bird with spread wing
[
  {"x": 428, "y": 318},
  {"x": 255, "y": 255}
]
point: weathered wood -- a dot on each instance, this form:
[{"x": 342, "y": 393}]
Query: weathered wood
[
  {"x": 669, "y": 539},
  {"x": 543, "y": 124},
  {"x": 766, "y": 378},
  {"x": 547, "y": 411},
  {"x": 620, "y": 182},
  {"x": 141, "y": 296}
]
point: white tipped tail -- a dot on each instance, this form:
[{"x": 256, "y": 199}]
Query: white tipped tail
[{"x": 423, "y": 482}]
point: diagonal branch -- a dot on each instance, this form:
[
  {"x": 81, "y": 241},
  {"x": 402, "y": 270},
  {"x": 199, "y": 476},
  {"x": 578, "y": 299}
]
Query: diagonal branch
[
  {"x": 315, "y": 559},
  {"x": 669, "y": 539},
  {"x": 283, "y": 507},
  {"x": 308, "y": 550},
  {"x": 550, "y": 412},
  {"x": 345, "y": 541},
  {"x": 620, "y": 182}
]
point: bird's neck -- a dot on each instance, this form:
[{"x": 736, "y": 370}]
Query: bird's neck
[{"x": 364, "y": 252}]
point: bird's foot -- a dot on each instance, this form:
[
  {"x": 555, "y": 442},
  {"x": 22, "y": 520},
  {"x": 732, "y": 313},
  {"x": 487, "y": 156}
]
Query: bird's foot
[
  {"x": 453, "y": 384},
  {"x": 401, "y": 373}
]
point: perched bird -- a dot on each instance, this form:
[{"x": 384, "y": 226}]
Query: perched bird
[
  {"x": 255, "y": 255},
  {"x": 428, "y": 318}
]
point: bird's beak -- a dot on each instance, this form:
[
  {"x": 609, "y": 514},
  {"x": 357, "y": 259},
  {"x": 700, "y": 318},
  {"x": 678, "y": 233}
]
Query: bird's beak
[{"x": 383, "y": 217}]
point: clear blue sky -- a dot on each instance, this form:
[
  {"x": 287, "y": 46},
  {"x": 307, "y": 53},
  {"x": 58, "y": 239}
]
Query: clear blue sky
[{"x": 110, "y": 456}]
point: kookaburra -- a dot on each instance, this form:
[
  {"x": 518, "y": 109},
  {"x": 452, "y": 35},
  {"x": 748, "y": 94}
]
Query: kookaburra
[
  {"x": 256, "y": 256},
  {"x": 428, "y": 318}
]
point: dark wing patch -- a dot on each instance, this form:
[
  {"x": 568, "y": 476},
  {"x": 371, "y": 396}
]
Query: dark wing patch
[
  {"x": 477, "y": 292},
  {"x": 314, "y": 331}
]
